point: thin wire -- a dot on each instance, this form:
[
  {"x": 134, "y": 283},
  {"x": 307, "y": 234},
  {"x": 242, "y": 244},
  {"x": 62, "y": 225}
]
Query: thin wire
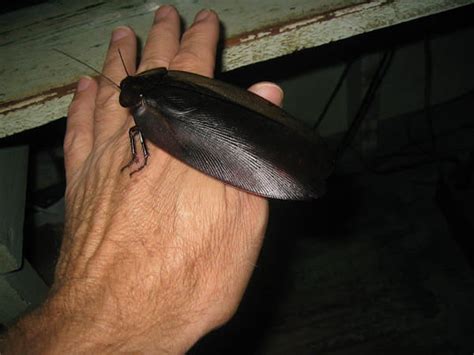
[{"x": 88, "y": 66}]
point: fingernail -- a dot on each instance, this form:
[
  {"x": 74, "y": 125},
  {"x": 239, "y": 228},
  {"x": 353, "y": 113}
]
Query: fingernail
[
  {"x": 270, "y": 91},
  {"x": 120, "y": 32},
  {"x": 83, "y": 83},
  {"x": 202, "y": 15},
  {"x": 162, "y": 12},
  {"x": 281, "y": 93}
]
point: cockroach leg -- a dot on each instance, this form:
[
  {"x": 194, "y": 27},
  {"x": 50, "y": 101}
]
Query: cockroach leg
[
  {"x": 132, "y": 133},
  {"x": 144, "y": 150}
]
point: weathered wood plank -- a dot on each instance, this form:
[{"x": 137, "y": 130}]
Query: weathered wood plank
[{"x": 37, "y": 83}]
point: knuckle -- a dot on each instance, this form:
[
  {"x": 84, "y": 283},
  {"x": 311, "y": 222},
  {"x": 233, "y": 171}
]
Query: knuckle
[
  {"x": 162, "y": 28},
  {"x": 189, "y": 60},
  {"x": 107, "y": 98},
  {"x": 111, "y": 58},
  {"x": 155, "y": 61},
  {"x": 70, "y": 145},
  {"x": 189, "y": 55},
  {"x": 197, "y": 30},
  {"x": 71, "y": 139},
  {"x": 75, "y": 108},
  {"x": 69, "y": 142},
  {"x": 113, "y": 69},
  {"x": 194, "y": 38},
  {"x": 199, "y": 34}
]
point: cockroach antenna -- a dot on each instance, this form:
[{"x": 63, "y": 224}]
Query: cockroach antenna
[
  {"x": 123, "y": 62},
  {"x": 88, "y": 66}
]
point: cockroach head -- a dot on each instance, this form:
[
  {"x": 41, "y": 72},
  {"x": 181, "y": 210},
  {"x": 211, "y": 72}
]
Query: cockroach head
[
  {"x": 134, "y": 88},
  {"x": 131, "y": 91}
]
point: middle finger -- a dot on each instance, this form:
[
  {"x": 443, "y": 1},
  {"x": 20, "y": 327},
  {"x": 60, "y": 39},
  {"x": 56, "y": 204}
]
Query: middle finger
[{"x": 163, "y": 40}]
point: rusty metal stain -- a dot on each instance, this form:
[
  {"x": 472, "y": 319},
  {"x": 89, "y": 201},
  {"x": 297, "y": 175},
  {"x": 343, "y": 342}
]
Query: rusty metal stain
[
  {"x": 303, "y": 22},
  {"x": 44, "y": 97}
]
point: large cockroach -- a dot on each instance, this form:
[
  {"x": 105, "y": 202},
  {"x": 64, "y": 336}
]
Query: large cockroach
[{"x": 226, "y": 132}]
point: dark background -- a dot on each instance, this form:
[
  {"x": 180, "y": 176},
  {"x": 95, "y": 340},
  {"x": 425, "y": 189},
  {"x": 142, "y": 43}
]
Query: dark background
[{"x": 383, "y": 263}]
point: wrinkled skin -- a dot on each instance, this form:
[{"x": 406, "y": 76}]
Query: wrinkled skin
[{"x": 152, "y": 262}]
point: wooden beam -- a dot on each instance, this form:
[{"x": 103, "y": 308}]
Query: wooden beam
[{"x": 37, "y": 83}]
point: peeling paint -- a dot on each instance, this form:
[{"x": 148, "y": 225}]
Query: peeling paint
[
  {"x": 11, "y": 106},
  {"x": 341, "y": 23},
  {"x": 334, "y": 14},
  {"x": 35, "y": 115},
  {"x": 302, "y": 22}
]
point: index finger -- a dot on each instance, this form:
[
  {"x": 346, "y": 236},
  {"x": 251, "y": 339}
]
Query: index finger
[{"x": 109, "y": 115}]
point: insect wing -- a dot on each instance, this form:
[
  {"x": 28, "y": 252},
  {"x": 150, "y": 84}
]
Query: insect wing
[{"x": 232, "y": 142}]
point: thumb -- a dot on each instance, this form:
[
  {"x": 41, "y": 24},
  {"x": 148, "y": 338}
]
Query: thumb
[{"x": 269, "y": 91}]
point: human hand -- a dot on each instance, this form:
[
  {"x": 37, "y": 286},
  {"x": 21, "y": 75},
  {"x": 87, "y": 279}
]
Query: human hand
[{"x": 151, "y": 262}]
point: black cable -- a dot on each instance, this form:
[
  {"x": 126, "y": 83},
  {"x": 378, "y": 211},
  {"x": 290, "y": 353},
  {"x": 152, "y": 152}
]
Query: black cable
[
  {"x": 435, "y": 157},
  {"x": 334, "y": 92},
  {"x": 427, "y": 101},
  {"x": 432, "y": 156},
  {"x": 377, "y": 79}
]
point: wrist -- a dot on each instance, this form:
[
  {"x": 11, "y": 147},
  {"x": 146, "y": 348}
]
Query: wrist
[
  {"x": 54, "y": 329},
  {"x": 50, "y": 330}
]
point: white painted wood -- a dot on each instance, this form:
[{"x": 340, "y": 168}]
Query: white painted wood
[{"x": 37, "y": 83}]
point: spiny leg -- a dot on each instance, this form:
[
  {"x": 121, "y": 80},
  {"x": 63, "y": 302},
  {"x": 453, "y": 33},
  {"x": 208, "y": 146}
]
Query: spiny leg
[
  {"x": 144, "y": 150},
  {"x": 132, "y": 133}
]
